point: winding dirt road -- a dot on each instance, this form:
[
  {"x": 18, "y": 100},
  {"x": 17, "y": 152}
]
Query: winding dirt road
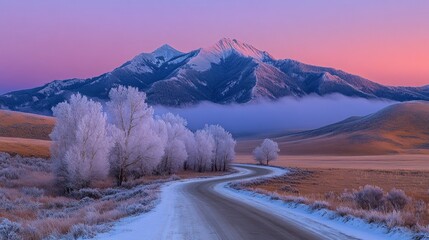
[
  {"x": 203, "y": 209},
  {"x": 233, "y": 219}
]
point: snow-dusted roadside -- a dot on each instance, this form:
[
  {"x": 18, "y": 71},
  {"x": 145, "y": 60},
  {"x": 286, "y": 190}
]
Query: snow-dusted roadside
[
  {"x": 175, "y": 217},
  {"x": 315, "y": 220}
]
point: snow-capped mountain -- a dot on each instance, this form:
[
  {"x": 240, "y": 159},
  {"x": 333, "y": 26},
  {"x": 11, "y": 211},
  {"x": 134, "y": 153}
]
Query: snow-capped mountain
[{"x": 227, "y": 72}]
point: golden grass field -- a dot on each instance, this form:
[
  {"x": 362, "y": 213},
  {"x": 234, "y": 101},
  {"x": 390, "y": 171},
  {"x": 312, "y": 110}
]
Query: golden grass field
[
  {"x": 25, "y": 147},
  {"x": 25, "y": 134}
]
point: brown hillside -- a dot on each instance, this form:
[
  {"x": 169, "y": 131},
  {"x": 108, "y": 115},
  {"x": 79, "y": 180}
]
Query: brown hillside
[
  {"x": 397, "y": 129},
  {"x": 25, "y": 134},
  {"x": 24, "y": 125}
]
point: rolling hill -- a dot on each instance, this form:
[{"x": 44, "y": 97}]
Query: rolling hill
[
  {"x": 398, "y": 129},
  {"x": 25, "y": 134}
]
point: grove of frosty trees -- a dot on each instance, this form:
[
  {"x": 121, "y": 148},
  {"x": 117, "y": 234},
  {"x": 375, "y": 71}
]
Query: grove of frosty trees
[{"x": 127, "y": 141}]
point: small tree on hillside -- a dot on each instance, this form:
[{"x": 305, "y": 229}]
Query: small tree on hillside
[{"x": 268, "y": 151}]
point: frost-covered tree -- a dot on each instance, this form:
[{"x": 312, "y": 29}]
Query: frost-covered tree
[
  {"x": 201, "y": 158},
  {"x": 80, "y": 142},
  {"x": 268, "y": 151},
  {"x": 191, "y": 150},
  {"x": 138, "y": 146},
  {"x": 224, "y": 147},
  {"x": 175, "y": 153}
]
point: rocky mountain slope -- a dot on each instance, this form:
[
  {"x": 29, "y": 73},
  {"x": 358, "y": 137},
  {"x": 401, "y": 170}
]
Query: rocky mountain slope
[{"x": 227, "y": 72}]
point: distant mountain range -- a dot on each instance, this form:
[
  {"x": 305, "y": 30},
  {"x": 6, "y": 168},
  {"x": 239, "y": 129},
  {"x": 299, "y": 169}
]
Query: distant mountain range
[{"x": 228, "y": 72}]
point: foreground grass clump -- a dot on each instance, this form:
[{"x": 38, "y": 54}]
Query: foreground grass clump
[
  {"x": 33, "y": 208},
  {"x": 392, "y": 208}
]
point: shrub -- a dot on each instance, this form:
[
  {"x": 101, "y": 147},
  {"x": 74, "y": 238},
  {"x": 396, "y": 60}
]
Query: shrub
[
  {"x": 347, "y": 196},
  {"x": 419, "y": 208},
  {"x": 369, "y": 197},
  {"x": 398, "y": 199},
  {"x": 9, "y": 173},
  {"x": 317, "y": 205},
  {"x": 135, "y": 209},
  {"x": 4, "y": 157},
  {"x": 9, "y": 230},
  {"x": 33, "y": 191},
  {"x": 82, "y": 231},
  {"x": 87, "y": 192},
  {"x": 344, "y": 211},
  {"x": 394, "y": 219},
  {"x": 409, "y": 220}
]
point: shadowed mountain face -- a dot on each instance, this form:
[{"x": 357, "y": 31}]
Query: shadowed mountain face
[
  {"x": 400, "y": 128},
  {"x": 227, "y": 72}
]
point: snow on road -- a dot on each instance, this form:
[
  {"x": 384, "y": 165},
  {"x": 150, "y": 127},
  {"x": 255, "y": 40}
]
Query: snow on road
[{"x": 176, "y": 217}]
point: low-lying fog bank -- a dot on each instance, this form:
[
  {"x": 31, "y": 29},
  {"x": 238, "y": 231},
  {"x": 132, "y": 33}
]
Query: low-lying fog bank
[{"x": 287, "y": 114}]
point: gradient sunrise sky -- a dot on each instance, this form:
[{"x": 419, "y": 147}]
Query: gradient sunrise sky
[{"x": 386, "y": 41}]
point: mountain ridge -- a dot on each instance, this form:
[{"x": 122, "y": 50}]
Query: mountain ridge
[{"x": 229, "y": 71}]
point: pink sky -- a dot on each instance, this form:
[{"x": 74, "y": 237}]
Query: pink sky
[{"x": 40, "y": 41}]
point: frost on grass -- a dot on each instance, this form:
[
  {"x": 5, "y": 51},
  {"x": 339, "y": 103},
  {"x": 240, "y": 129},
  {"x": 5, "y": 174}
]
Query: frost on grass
[
  {"x": 9, "y": 230},
  {"x": 392, "y": 209},
  {"x": 32, "y": 208},
  {"x": 95, "y": 148}
]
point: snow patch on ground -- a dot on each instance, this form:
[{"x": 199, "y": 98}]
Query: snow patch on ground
[{"x": 162, "y": 222}]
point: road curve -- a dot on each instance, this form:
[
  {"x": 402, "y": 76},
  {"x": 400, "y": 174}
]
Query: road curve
[
  {"x": 203, "y": 209},
  {"x": 233, "y": 219}
]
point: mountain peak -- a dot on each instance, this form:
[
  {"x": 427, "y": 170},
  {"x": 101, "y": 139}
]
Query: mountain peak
[
  {"x": 226, "y": 45},
  {"x": 167, "y": 52},
  {"x": 223, "y": 49}
]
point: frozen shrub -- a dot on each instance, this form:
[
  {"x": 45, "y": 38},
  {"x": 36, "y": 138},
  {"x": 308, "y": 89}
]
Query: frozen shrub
[
  {"x": 317, "y": 205},
  {"x": 9, "y": 230},
  {"x": 397, "y": 198},
  {"x": 82, "y": 231},
  {"x": 373, "y": 216},
  {"x": 86, "y": 200},
  {"x": 347, "y": 196},
  {"x": 369, "y": 197},
  {"x": 394, "y": 219},
  {"x": 275, "y": 196},
  {"x": 87, "y": 192},
  {"x": 33, "y": 191},
  {"x": 293, "y": 199},
  {"x": 409, "y": 219},
  {"x": 4, "y": 157},
  {"x": 419, "y": 208},
  {"x": 344, "y": 211},
  {"x": 9, "y": 173},
  {"x": 330, "y": 195},
  {"x": 135, "y": 209},
  {"x": 91, "y": 215}
]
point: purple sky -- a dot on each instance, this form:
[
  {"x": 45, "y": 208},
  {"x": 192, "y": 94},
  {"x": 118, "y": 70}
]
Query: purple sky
[{"x": 385, "y": 41}]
